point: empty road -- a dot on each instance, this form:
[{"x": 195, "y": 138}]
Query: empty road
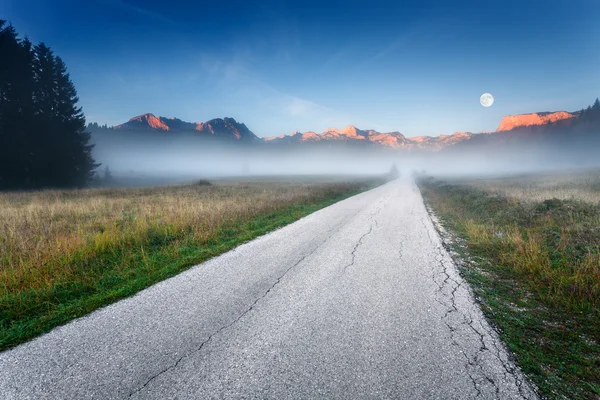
[{"x": 358, "y": 300}]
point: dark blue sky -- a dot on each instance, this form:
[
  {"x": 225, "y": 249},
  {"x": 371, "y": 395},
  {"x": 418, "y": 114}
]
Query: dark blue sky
[{"x": 280, "y": 66}]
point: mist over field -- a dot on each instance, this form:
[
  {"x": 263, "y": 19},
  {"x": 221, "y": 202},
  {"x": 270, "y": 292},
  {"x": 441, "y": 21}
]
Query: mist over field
[{"x": 183, "y": 157}]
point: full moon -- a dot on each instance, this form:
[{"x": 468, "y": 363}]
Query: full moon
[{"x": 486, "y": 99}]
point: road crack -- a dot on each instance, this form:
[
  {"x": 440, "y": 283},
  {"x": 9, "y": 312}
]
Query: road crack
[
  {"x": 459, "y": 321},
  {"x": 372, "y": 224},
  {"x": 174, "y": 365},
  {"x": 356, "y": 246}
]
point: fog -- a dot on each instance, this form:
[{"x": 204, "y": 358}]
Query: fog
[{"x": 164, "y": 159}]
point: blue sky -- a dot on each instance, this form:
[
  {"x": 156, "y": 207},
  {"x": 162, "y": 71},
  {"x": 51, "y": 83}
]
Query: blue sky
[{"x": 416, "y": 67}]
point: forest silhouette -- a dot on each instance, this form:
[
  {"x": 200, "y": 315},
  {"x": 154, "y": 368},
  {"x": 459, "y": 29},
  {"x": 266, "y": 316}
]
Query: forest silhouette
[{"x": 43, "y": 138}]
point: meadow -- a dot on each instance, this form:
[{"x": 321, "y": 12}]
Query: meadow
[
  {"x": 529, "y": 246},
  {"x": 583, "y": 186},
  {"x": 64, "y": 253}
]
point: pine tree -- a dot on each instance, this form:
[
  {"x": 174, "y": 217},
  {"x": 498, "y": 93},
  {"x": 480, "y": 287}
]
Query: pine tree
[
  {"x": 43, "y": 141},
  {"x": 16, "y": 108},
  {"x": 595, "y": 111},
  {"x": 77, "y": 164},
  {"x": 9, "y": 50},
  {"x": 46, "y": 167},
  {"x": 65, "y": 157}
]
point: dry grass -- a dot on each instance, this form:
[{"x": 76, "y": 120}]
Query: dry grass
[
  {"x": 582, "y": 186},
  {"x": 39, "y": 231},
  {"x": 65, "y": 253},
  {"x": 535, "y": 245}
]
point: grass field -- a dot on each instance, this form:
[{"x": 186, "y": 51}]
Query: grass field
[
  {"x": 583, "y": 186},
  {"x": 530, "y": 247},
  {"x": 66, "y": 253}
]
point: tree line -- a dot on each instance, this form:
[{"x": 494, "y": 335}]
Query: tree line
[
  {"x": 591, "y": 113},
  {"x": 43, "y": 138}
]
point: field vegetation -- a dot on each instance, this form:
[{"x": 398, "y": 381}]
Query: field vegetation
[
  {"x": 582, "y": 186},
  {"x": 65, "y": 253},
  {"x": 530, "y": 248}
]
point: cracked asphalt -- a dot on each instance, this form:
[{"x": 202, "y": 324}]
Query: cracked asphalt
[{"x": 358, "y": 300}]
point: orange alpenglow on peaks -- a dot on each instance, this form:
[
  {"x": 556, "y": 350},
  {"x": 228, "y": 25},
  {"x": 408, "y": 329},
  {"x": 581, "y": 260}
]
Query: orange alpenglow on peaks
[
  {"x": 516, "y": 121},
  {"x": 151, "y": 120},
  {"x": 229, "y": 128}
]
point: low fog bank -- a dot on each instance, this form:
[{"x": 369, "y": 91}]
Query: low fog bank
[
  {"x": 136, "y": 160},
  {"x": 509, "y": 153},
  {"x": 148, "y": 162},
  {"x": 184, "y": 164}
]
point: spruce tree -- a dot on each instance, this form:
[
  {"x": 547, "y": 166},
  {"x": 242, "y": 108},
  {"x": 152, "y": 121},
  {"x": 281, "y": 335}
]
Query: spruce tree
[
  {"x": 46, "y": 167},
  {"x": 595, "y": 114},
  {"x": 75, "y": 164},
  {"x": 43, "y": 141},
  {"x": 16, "y": 108}
]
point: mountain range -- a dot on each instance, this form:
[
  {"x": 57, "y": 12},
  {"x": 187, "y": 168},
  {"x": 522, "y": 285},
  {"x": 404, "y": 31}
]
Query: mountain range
[
  {"x": 223, "y": 128},
  {"x": 228, "y": 129}
]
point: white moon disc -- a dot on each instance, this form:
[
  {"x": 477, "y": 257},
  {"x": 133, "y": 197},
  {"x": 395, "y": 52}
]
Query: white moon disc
[{"x": 486, "y": 99}]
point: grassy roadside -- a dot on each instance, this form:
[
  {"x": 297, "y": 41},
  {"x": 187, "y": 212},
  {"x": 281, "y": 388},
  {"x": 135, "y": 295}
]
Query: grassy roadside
[
  {"x": 64, "y": 254},
  {"x": 535, "y": 265}
]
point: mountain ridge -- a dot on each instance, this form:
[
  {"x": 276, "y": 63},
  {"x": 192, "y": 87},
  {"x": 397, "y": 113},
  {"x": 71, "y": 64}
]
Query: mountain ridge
[
  {"x": 511, "y": 122},
  {"x": 224, "y": 128},
  {"x": 395, "y": 139},
  {"x": 229, "y": 128}
]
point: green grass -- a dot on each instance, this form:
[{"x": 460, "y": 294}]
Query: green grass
[
  {"x": 95, "y": 272},
  {"x": 536, "y": 268}
]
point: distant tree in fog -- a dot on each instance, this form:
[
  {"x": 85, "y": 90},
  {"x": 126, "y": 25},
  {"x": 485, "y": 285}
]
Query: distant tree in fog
[
  {"x": 591, "y": 113},
  {"x": 108, "y": 177},
  {"x": 394, "y": 171},
  {"x": 95, "y": 127},
  {"x": 595, "y": 111}
]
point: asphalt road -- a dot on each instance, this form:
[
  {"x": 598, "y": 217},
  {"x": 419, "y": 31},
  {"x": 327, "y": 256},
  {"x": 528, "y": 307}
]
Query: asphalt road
[{"x": 358, "y": 300}]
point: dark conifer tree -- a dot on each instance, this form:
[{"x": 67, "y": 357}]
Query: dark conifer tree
[
  {"x": 595, "y": 111},
  {"x": 43, "y": 142},
  {"x": 588, "y": 113},
  {"x": 74, "y": 162},
  {"x": 16, "y": 108}
]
